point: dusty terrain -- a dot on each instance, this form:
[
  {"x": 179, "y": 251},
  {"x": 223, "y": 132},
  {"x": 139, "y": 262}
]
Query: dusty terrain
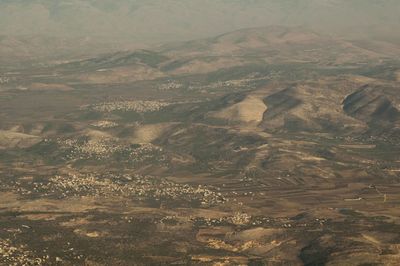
[{"x": 258, "y": 147}]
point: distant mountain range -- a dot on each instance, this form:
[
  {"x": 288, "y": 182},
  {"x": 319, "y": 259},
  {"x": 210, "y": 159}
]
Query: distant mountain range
[
  {"x": 16, "y": 51},
  {"x": 253, "y": 46},
  {"x": 271, "y": 44},
  {"x": 43, "y": 30},
  {"x": 161, "y": 21}
]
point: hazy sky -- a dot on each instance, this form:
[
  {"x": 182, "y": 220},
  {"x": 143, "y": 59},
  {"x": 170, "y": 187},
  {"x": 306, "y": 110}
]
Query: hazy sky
[{"x": 152, "y": 21}]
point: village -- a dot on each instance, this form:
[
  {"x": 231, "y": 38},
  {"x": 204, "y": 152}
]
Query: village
[
  {"x": 155, "y": 190},
  {"x": 136, "y": 106}
]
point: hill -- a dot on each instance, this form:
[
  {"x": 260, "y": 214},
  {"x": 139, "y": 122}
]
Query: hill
[
  {"x": 254, "y": 47},
  {"x": 262, "y": 146}
]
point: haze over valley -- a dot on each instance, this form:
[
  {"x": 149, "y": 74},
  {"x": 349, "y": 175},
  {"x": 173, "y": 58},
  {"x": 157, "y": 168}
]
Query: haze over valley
[{"x": 199, "y": 132}]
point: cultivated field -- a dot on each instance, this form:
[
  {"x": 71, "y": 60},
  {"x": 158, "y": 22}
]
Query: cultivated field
[{"x": 258, "y": 147}]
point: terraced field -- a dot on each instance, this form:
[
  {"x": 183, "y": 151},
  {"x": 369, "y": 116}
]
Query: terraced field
[{"x": 194, "y": 157}]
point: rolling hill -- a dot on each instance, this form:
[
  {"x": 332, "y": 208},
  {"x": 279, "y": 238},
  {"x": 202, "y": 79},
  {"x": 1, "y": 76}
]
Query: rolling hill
[
  {"x": 262, "y": 146},
  {"x": 255, "y": 47}
]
